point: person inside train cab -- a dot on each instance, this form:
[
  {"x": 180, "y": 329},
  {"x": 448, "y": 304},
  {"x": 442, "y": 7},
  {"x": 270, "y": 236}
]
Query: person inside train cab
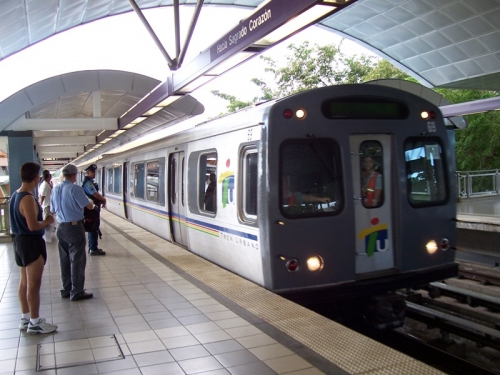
[
  {"x": 292, "y": 197},
  {"x": 371, "y": 183},
  {"x": 92, "y": 191},
  {"x": 210, "y": 194}
]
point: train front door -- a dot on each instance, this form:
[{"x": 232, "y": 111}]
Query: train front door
[
  {"x": 177, "y": 198},
  {"x": 371, "y": 174}
]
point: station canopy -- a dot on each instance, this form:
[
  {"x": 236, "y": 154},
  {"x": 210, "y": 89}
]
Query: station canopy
[{"x": 445, "y": 43}]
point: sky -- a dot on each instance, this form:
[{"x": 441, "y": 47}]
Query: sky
[{"x": 123, "y": 43}]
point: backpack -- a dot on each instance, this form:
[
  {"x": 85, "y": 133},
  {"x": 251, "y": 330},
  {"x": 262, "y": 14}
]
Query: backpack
[{"x": 91, "y": 220}]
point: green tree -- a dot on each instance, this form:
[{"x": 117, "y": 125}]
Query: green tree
[
  {"x": 385, "y": 70},
  {"x": 478, "y": 145},
  {"x": 306, "y": 67}
]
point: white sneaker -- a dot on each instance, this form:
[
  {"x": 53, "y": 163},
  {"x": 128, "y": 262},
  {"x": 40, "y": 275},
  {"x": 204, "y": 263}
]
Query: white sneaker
[
  {"x": 41, "y": 327},
  {"x": 23, "y": 324}
]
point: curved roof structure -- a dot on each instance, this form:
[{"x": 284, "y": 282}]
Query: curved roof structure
[{"x": 446, "y": 43}]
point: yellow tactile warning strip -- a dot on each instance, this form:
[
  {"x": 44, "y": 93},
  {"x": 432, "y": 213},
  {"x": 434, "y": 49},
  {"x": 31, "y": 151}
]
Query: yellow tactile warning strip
[{"x": 349, "y": 350}]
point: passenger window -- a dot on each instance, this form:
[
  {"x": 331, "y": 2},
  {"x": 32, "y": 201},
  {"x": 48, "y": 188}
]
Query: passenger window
[
  {"x": 173, "y": 180},
  {"x": 425, "y": 172},
  {"x": 372, "y": 182},
  {"x": 139, "y": 180},
  {"x": 152, "y": 180},
  {"x": 309, "y": 182},
  {"x": 208, "y": 184},
  {"x": 249, "y": 186},
  {"x": 109, "y": 184},
  {"x": 117, "y": 175}
]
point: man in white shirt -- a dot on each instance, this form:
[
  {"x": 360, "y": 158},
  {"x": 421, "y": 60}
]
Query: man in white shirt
[{"x": 44, "y": 192}]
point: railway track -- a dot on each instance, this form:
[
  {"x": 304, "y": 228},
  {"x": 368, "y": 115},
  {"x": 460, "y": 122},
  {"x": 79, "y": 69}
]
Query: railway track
[
  {"x": 460, "y": 317},
  {"x": 453, "y": 326}
]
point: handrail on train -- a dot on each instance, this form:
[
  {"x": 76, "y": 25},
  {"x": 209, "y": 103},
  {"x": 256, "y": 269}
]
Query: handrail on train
[{"x": 478, "y": 183}]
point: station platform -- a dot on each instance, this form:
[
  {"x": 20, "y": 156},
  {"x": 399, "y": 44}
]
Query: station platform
[
  {"x": 478, "y": 229},
  {"x": 481, "y": 213},
  {"x": 159, "y": 309}
]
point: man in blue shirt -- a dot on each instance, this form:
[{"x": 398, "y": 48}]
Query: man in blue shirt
[
  {"x": 92, "y": 191},
  {"x": 67, "y": 201}
]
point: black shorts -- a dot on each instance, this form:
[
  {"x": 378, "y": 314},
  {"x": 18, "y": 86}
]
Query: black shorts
[{"x": 28, "y": 248}]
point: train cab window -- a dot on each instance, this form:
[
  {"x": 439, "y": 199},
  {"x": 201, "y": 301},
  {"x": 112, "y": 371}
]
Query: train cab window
[
  {"x": 309, "y": 181},
  {"x": 208, "y": 182},
  {"x": 372, "y": 178},
  {"x": 117, "y": 178},
  {"x": 425, "y": 172},
  {"x": 139, "y": 180}
]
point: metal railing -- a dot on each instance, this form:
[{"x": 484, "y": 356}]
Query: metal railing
[
  {"x": 4, "y": 217},
  {"x": 478, "y": 183}
]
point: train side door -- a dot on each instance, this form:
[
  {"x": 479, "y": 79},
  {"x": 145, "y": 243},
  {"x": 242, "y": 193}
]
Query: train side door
[
  {"x": 177, "y": 198},
  {"x": 371, "y": 173},
  {"x": 125, "y": 189}
]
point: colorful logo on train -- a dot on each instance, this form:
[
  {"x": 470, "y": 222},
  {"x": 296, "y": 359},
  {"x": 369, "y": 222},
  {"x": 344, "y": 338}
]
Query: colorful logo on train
[
  {"x": 376, "y": 238},
  {"x": 227, "y": 180}
]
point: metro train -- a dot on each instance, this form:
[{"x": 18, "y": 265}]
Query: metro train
[{"x": 341, "y": 193}]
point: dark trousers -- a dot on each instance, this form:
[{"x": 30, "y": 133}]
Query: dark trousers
[
  {"x": 72, "y": 257},
  {"x": 92, "y": 237}
]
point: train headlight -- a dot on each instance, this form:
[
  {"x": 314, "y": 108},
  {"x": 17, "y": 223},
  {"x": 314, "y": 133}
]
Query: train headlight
[
  {"x": 431, "y": 247},
  {"x": 300, "y": 114},
  {"x": 314, "y": 263},
  {"x": 292, "y": 265}
]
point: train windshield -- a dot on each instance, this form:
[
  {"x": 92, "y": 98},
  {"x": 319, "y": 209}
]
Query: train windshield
[
  {"x": 309, "y": 181},
  {"x": 425, "y": 172}
]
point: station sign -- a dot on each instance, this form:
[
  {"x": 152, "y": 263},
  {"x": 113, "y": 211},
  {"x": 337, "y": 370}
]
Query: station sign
[{"x": 258, "y": 25}]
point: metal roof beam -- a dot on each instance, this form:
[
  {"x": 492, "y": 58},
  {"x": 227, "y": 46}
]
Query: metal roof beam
[
  {"x": 100, "y": 123},
  {"x": 59, "y": 149},
  {"x": 248, "y": 37},
  {"x": 469, "y": 108},
  {"x": 68, "y": 141}
]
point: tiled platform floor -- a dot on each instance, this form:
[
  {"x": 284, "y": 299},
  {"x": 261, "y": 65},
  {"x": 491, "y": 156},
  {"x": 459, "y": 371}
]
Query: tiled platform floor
[
  {"x": 163, "y": 323},
  {"x": 171, "y": 313}
]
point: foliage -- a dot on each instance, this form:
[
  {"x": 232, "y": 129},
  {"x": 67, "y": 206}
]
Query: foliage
[
  {"x": 306, "y": 68},
  {"x": 477, "y": 146},
  {"x": 234, "y": 103}
]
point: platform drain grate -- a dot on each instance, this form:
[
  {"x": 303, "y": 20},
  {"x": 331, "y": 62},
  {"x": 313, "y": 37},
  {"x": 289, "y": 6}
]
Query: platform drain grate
[{"x": 72, "y": 353}]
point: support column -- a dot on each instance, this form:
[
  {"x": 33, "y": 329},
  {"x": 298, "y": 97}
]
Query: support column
[{"x": 21, "y": 150}]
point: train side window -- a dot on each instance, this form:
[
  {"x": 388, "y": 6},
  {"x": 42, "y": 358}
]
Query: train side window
[
  {"x": 131, "y": 179},
  {"x": 425, "y": 170},
  {"x": 109, "y": 182},
  {"x": 152, "y": 180},
  {"x": 208, "y": 182},
  {"x": 249, "y": 169},
  {"x": 310, "y": 182},
  {"x": 117, "y": 176},
  {"x": 372, "y": 178},
  {"x": 139, "y": 180}
]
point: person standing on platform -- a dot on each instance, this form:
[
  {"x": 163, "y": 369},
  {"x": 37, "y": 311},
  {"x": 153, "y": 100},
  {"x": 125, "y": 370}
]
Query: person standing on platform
[
  {"x": 30, "y": 252},
  {"x": 68, "y": 201},
  {"x": 44, "y": 192},
  {"x": 92, "y": 191}
]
